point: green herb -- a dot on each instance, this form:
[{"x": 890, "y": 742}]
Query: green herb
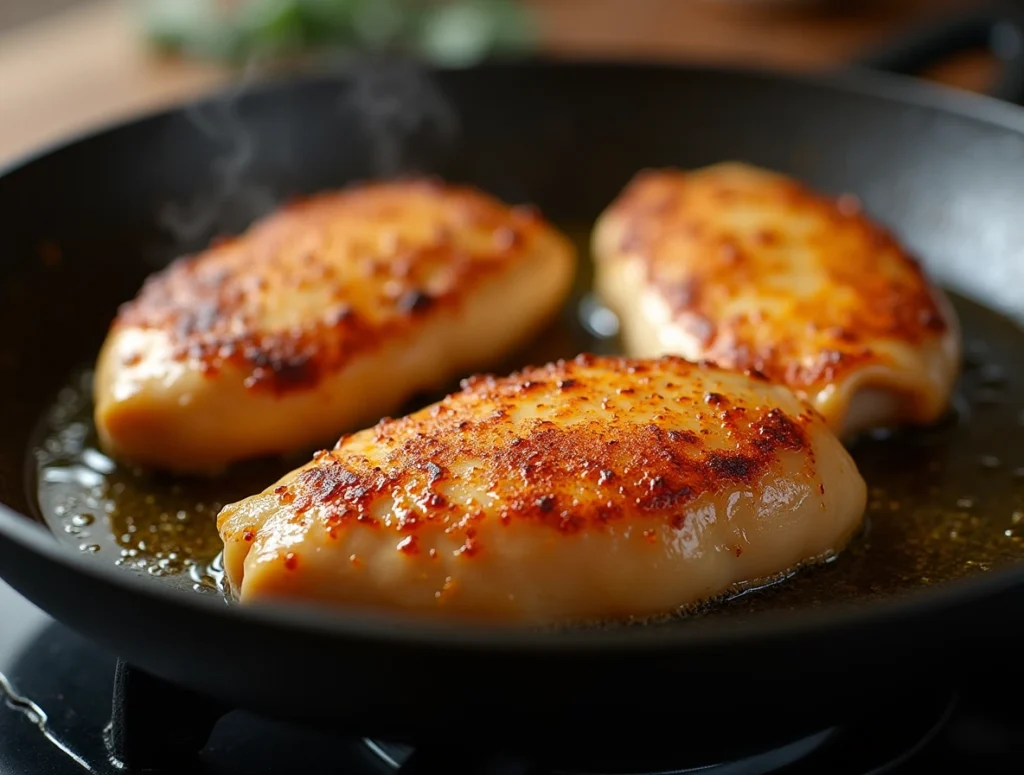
[{"x": 456, "y": 32}]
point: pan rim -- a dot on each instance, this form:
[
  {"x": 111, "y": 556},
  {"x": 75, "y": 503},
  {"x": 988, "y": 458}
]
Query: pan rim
[
  {"x": 385, "y": 628},
  {"x": 891, "y": 87}
]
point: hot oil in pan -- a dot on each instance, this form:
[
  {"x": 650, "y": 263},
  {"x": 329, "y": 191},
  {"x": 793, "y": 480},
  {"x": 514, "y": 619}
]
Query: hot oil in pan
[
  {"x": 945, "y": 502},
  {"x": 160, "y": 525}
]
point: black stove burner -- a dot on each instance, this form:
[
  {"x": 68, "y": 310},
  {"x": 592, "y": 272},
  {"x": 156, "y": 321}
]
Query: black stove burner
[
  {"x": 875, "y": 745},
  {"x": 401, "y": 757},
  {"x": 154, "y": 724},
  {"x": 55, "y": 712},
  {"x": 158, "y": 726},
  {"x": 56, "y": 719}
]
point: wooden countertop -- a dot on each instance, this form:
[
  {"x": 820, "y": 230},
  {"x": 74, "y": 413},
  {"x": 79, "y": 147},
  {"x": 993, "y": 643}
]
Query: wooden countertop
[{"x": 88, "y": 66}]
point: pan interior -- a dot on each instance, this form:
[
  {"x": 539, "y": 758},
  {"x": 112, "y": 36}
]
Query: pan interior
[
  {"x": 86, "y": 224},
  {"x": 945, "y": 502}
]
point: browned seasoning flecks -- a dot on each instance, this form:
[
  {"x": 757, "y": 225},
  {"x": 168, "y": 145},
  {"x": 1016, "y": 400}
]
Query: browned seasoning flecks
[
  {"x": 229, "y": 306},
  {"x": 535, "y": 469},
  {"x": 700, "y": 263}
]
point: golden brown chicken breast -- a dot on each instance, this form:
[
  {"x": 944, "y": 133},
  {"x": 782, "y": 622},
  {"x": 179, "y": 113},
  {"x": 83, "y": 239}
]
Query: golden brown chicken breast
[
  {"x": 323, "y": 317},
  {"x": 593, "y": 489},
  {"x": 753, "y": 270}
]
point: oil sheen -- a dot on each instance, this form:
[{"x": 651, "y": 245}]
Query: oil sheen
[{"x": 945, "y": 502}]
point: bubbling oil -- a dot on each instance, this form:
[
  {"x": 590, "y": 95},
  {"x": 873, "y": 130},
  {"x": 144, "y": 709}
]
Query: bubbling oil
[
  {"x": 143, "y": 521},
  {"x": 945, "y": 502}
]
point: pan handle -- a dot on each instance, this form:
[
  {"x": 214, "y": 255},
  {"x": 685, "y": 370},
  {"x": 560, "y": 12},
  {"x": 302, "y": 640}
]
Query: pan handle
[{"x": 999, "y": 30}]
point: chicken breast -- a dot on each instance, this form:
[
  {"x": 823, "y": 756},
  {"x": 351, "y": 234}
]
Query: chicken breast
[
  {"x": 321, "y": 318},
  {"x": 753, "y": 270},
  {"x": 594, "y": 489}
]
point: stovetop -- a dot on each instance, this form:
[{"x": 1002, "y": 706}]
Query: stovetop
[{"x": 56, "y": 693}]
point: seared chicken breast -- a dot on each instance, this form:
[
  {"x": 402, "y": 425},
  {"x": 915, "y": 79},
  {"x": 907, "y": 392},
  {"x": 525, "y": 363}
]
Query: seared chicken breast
[
  {"x": 323, "y": 317},
  {"x": 753, "y": 270},
  {"x": 594, "y": 489}
]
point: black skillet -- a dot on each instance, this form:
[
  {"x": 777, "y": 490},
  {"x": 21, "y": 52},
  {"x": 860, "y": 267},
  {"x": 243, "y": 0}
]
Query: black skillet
[{"x": 84, "y": 223}]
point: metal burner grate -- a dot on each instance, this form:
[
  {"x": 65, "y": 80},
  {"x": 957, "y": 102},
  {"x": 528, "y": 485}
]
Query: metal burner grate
[
  {"x": 399, "y": 756},
  {"x": 871, "y": 747}
]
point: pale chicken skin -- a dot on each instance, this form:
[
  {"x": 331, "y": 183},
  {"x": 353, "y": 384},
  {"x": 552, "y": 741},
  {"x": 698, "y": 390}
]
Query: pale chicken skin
[
  {"x": 321, "y": 318},
  {"x": 754, "y": 270},
  {"x": 595, "y": 489}
]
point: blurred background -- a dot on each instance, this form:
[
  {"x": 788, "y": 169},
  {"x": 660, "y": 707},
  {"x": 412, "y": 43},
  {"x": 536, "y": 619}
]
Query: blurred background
[{"x": 66, "y": 65}]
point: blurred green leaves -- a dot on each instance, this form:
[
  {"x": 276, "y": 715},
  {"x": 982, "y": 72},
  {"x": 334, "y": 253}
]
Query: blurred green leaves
[{"x": 453, "y": 32}]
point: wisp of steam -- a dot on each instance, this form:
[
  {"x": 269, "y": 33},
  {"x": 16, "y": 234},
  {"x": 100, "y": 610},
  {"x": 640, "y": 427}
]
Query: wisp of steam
[
  {"x": 392, "y": 101},
  {"x": 395, "y": 101}
]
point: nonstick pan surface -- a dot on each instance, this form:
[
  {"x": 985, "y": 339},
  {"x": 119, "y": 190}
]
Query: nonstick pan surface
[{"x": 934, "y": 584}]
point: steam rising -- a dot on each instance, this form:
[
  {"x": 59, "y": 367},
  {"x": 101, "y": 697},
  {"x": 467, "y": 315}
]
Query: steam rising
[
  {"x": 227, "y": 201},
  {"x": 395, "y": 104}
]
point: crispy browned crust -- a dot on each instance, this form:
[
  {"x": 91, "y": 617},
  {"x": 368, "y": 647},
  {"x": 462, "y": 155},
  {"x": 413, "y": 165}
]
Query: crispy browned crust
[
  {"x": 629, "y": 468},
  {"x": 700, "y": 253},
  {"x": 332, "y": 276}
]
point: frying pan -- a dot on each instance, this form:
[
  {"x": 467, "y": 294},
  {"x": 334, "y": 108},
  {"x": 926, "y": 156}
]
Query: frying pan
[{"x": 945, "y": 170}]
